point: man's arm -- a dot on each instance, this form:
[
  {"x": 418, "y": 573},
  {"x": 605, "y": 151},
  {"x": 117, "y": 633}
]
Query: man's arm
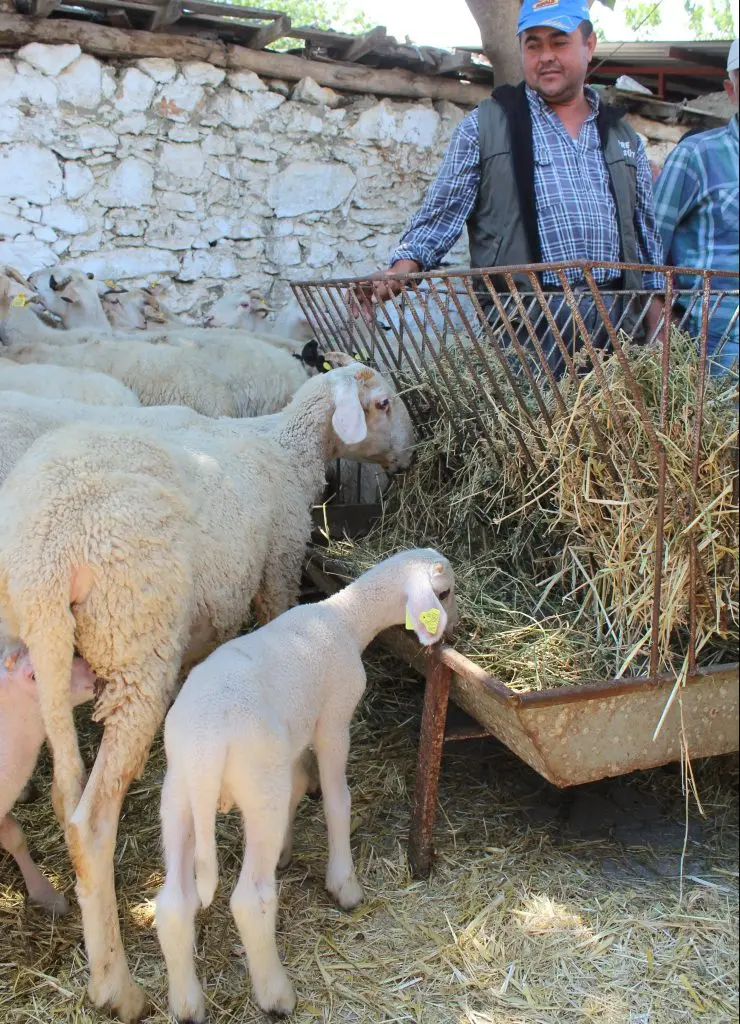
[
  {"x": 676, "y": 191},
  {"x": 435, "y": 228}
]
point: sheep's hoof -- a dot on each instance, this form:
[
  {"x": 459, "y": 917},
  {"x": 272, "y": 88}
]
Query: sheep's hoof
[
  {"x": 52, "y": 902},
  {"x": 285, "y": 857},
  {"x": 129, "y": 1004},
  {"x": 348, "y": 893},
  {"x": 277, "y": 996}
]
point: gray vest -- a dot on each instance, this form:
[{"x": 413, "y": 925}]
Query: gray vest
[{"x": 496, "y": 231}]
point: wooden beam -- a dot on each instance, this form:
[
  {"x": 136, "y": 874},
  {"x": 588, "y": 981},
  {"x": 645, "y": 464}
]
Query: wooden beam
[
  {"x": 363, "y": 44},
  {"x": 166, "y": 14},
  {"x": 267, "y": 34},
  {"x": 103, "y": 41},
  {"x": 694, "y": 57}
]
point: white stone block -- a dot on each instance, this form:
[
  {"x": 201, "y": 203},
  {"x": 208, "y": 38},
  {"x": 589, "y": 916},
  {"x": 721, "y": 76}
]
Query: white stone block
[
  {"x": 65, "y": 218},
  {"x": 286, "y": 252},
  {"x": 135, "y": 91},
  {"x": 29, "y": 172},
  {"x": 386, "y": 123},
  {"x": 131, "y": 124},
  {"x": 80, "y": 84},
  {"x": 198, "y": 72},
  {"x": 45, "y": 234},
  {"x": 50, "y": 60},
  {"x": 95, "y": 136},
  {"x": 241, "y": 111},
  {"x": 320, "y": 255},
  {"x": 208, "y": 263},
  {"x": 130, "y": 184},
  {"x": 10, "y": 123},
  {"x": 177, "y": 201},
  {"x": 179, "y": 99},
  {"x": 61, "y": 246},
  {"x": 184, "y": 160},
  {"x": 169, "y": 231},
  {"x": 32, "y": 86},
  {"x": 304, "y": 186},
  {"x": 246, "y": 81},
  {"x": 309, "y": 91},
  {"x": 126, "y": 263},
  {"x": 11, "y": 226},
  {"x": 26, "y": 255},
  {"x": 32, "y": 213},
  {"x": 87, "y": 243},
  {"x": 161, "y": 69},
  {"x": 183, "y": 133}
]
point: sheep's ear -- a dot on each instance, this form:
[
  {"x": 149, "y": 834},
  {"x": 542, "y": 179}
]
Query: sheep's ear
[
  {"x": 349, "y": 416},
  {"x": 17, "y": 670},
  {"x": 424, "y": 612},
  {"x": 310, "y": 354}
]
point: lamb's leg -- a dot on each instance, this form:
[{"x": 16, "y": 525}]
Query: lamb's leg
[
  {"x": 332, "y": 750},
  {"x": 263, "y": 801},
  {"x": 300, "y": 784},
  {"x": 91, "y": 837},
  {"x": 40, "y": 890},
  {"x": 177, "y": 903}
]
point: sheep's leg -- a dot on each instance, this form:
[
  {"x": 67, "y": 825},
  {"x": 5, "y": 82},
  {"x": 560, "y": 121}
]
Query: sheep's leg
[
  {"x": 300, "y": 784},
  {"x": 264, "y": 804},
  {"x": 177, "y": 904},
  {"x": 40, "y": 889},
  {"x": 91, "y": 837},
  {"x": 332, "y": 750}
]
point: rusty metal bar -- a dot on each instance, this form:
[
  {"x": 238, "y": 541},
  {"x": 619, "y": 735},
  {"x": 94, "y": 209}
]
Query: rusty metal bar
[
  {"x": 431, "y": 742},
  {"x": 660, "y": 515}
]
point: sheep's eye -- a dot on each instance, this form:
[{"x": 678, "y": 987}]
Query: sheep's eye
[
  {"x": 383, "y": 404},
  {"x": 444, "y": 595}
]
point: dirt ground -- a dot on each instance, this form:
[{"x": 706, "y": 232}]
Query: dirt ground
[{"x": 544, "y": 907}]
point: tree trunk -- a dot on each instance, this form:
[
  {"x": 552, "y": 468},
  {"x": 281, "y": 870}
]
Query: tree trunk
[{"x": 497, "y": 21}]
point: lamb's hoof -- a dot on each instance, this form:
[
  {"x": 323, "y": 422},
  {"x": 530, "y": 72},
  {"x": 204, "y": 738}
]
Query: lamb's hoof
[
  {"x": 53, "y": 902},
  {"x": 192, "y": 1008},
  {"x": 127, "y": 1002},
  {"x": 348, "y": 893},
  {"x": 285, "y": 857},
  {"x": 277, "y": 996}
]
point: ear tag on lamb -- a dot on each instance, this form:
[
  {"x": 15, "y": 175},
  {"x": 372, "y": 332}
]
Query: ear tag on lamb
[
  {"x": 326, "y": 366},
  {"x": 19, "y": 300},
  {"x": 430, "y": 620},
  {"x": 109, "y": 284},
  {"x": 409, "y": 620}
]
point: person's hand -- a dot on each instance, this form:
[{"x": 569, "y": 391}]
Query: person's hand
[{"x": 360, "y": 298}]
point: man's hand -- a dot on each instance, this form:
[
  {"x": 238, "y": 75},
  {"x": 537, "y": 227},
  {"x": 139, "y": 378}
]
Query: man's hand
[
  {"x": 361, "y": 296},
  {"x": 652, "y": 319}
]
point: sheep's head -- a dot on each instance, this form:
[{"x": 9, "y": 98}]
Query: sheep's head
[
  {"x": 247, "y": 312},
  {"x": 429, "y": 589},
  {"x": 15, "y": 291},
  {"x": 370, "y": 421},
  {"x": 64, "y": 290}
]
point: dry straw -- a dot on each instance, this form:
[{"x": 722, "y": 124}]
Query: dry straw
[
  {"x": 520, "y": 924},
  {"x": 555, "y": 554}
]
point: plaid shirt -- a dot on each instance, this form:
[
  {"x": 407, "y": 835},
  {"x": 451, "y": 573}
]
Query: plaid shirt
[
  {"x": 575, "y": 207},
  {"x": 696, "y": 204}
]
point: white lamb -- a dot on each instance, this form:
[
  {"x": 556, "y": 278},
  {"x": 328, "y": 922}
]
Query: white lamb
[
  {"x": 237, "y": 733},
  {"x": 65, "y": 382},
  {"x": 21, "y": 736},
  {"x": 73, "y": 295},
  {"x": 144, "y": 551}
]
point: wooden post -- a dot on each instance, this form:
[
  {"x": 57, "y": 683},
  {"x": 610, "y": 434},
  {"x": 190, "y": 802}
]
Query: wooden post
[{"x": 429, "y": 761}]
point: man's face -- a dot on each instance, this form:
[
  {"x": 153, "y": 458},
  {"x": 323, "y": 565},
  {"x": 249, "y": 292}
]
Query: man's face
[
  {"x": 732, "y": 87},
  {"x": 555, "y": 63}
]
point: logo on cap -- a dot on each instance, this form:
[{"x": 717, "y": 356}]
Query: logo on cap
[{"x": 544, "y": 3}]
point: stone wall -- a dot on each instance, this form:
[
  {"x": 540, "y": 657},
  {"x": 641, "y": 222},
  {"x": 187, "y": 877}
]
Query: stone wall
[{"x": 156, "y": 170}]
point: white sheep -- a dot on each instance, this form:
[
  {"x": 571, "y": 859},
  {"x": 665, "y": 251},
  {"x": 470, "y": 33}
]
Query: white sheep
[
  {"x": 145, "y": 550},
  {"x": 137, "y": 308},
  {"x": 65, "y": 382},
  {"x": 73, "y": 295},
  {"x": 21, "y": 736},
  {"x": 237, "y": 734},
  {"x": 234, "y": 380}
]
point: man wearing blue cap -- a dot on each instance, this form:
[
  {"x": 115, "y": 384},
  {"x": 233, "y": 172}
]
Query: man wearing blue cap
[
  {"x": 541, "y": 172},
  {"x": 698, "y": 205}
]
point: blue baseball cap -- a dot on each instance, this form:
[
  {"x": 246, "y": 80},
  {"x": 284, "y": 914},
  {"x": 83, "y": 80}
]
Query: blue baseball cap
[{"x": 564, "y": 15}]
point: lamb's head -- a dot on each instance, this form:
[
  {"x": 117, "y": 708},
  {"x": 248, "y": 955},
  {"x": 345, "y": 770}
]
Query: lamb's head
[
  {"x": 136, "y": 308},
  {"x": 15, "y": 292},
  {"x": 72, "y": 294},
  {"x": 247, "y": 312},
  {"x": 428, "y": 583},
  {"x": 369, "y": 421}
]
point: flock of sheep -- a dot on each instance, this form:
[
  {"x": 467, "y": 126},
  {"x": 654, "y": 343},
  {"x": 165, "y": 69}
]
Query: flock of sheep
[{"x": 156, "y": 487}]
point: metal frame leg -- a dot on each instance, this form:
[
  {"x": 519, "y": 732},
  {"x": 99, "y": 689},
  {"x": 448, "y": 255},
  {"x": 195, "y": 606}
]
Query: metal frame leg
[{"x": 431, "y": 741}]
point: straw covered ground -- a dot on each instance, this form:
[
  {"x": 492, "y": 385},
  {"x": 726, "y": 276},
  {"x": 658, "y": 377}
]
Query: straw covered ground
[
  {"x": 555, "y": 551},
  {"x": 526, "y": 919}
]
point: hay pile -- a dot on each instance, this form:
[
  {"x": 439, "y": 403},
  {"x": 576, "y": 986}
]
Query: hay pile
[
  {"x": 555, "y": 557},
  {"x": 520, "y": 924}
]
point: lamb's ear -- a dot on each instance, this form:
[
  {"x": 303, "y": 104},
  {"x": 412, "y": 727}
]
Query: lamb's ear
[
  {"x": 349, "y": 416},
  {"x": 424, "y": 613},
  {"x": 17, "y": 670}
]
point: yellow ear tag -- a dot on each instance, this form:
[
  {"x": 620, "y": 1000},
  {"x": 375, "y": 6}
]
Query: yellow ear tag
[
  {"x": 109, "y": 284},
  {"x": 430, "y": 620},
  {"x": 327, "y": 365},
  {"x": 19, "y": 300},
  {"x": 409, "y": 622}
]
